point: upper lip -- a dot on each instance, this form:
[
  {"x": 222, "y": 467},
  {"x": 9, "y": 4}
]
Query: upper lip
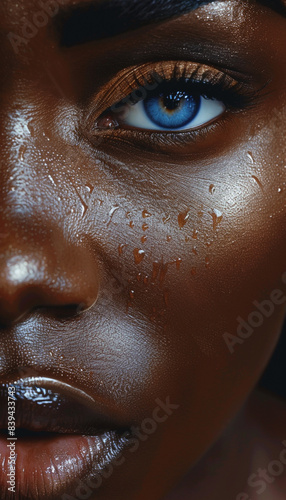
[{"x": 49, "y": 405}]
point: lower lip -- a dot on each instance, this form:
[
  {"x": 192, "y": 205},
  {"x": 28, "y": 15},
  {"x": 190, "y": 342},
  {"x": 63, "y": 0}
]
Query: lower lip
[{"x": 47, "y": 467}]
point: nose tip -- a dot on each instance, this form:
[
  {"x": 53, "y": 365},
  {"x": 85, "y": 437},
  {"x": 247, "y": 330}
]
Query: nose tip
[{"x": 65, "y": 280}]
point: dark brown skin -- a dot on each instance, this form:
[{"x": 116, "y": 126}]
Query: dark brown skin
[{"x": 62, "y": 247}]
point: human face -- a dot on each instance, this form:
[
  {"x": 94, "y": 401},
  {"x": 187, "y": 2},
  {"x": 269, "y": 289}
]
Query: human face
[{"x": 127, "y": 255}]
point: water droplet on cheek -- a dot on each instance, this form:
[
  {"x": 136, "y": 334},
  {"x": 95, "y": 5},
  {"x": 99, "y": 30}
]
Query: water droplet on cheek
[
  {"x": 178, "y": 263},
  {"x": 166, "y": 297},
  {"x": 138, "y": 255},
  {"x": 212, "y": 189},
  {"x": 217, "y": 218},
  {"x": 121, "y": 248},
  {"x": 144, "y": 238},
  {"x": 155, "y": 271},
  {"x": 146, "y": 214},
  {"x": 183, "y": 218},
  {"x": 145, "y": 227}
]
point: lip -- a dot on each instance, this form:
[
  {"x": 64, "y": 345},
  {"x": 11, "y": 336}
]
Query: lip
[{"x": 62, "y": 436}]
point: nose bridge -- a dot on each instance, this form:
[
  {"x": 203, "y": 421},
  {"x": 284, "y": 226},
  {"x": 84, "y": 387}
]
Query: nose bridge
[{"x": 41, "y": 265}]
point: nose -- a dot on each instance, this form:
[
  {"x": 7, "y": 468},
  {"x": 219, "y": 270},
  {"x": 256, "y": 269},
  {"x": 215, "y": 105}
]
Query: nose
[{"x": 49, "y": 271}]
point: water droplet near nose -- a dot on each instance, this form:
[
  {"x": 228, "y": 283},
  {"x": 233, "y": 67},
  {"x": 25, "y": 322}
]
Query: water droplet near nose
[
  {"x": 31, "y": 129},
  {"x": 131, "y": 224},
  {"x": 195, "y": 234},
  {"x": 139, "y": 277},
  {"x": 169, "y": 238},
  {"x": 52, "y": 180},
  {"x": 145, "y": 227},
  {"x": 212, "y": 189},
  {"x": 22, "y": 152},
  {"x": 146, "y": 214},
  {"x": 258, "y": 182},
  {"x": 89, "y": 187},
  {"x": 146, "y": 280},
  {"x": 279, "y": 190},
  {"x": 111, "y": 214},
  {"x": 166, "y": 219},
  {"x": 250, "y": 157},
  {"x": 138, "y": 255},
  {"x": 183, "y": 218},
  {"x": 144, "y": 238},
  {"x": 217, "y": 218},
  {"x": 132, "y": 294}
]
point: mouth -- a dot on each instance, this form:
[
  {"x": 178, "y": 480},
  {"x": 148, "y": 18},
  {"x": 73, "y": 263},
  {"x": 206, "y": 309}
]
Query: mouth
[{"x": 59, "y": 437}]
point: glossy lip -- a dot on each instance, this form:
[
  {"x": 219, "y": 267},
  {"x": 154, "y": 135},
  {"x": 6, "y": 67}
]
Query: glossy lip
[{"x": 58, "y": 425}]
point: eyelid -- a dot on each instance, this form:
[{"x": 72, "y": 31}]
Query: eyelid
[{"x": 130, "y": 79}]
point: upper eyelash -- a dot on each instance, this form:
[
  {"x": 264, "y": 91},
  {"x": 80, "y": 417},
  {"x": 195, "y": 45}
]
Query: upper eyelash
[{"x": 212, "y": 82}]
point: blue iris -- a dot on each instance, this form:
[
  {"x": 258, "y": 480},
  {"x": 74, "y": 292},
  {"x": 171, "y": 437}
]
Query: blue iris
[{"x": 172, "y": 109}]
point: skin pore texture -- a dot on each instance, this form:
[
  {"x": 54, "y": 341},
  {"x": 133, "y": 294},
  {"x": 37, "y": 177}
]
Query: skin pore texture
[{"x": 127, "y": 255}]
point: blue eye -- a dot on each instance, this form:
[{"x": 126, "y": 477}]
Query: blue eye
[{"x": 173, "y": 110}]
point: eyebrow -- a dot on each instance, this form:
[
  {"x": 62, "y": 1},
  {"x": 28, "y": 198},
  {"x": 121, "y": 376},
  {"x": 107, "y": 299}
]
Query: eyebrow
[{"x": 90, "y": 21}]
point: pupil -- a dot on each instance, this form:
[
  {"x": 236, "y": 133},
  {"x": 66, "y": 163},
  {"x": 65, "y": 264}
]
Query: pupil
[{"x": 172, "y": 101}]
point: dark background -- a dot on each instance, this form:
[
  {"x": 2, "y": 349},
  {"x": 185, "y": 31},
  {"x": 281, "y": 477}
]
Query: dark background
[{"x": 274, "y": 377}]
